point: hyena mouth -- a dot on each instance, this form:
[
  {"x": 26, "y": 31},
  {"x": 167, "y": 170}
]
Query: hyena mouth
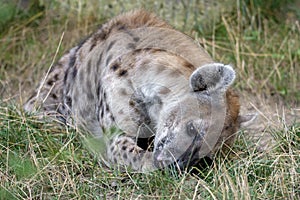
[
  {"x": 190, "y": 159},
  {"x": 191, "y": 156}
]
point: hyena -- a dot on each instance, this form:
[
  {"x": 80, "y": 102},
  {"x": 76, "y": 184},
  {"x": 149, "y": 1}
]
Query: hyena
[{"x": 139, "y": 74}]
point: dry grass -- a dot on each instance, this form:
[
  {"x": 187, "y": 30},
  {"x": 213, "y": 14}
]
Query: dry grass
[{"x": 42, "y": 160}]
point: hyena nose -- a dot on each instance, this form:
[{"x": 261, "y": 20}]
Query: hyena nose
[
  {"x": 158, "y": 163},
  {"x": 162, "y": 159}
]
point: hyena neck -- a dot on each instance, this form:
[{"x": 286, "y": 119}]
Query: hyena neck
[{"x": 158, "y": 80}]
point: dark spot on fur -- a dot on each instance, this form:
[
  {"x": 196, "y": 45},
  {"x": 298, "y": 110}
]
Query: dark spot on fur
[
  {"x": 54, "y": 96},
  {"x": 81, "y": 76},
  {"x": 115, "y": 66},
  {"x": 122, "y": 72},
  {"x": 88, "y": 86},
  {"x": 62, "y": 108},
  {"x": 137, "y": 110},
  {"x": 99, "y": 61},
  {"x": 90, "y": 96},
  {"x": 131, "y": 103},
  {"x": 188, "y": 65},
  {"x": 152, "y": 50},
  {"x": 74, "y": 73},
  {"x": 141, "y": 153},
  {"x": 62, "y": 119},
  {"x": 98, "y": 90},
  {"x": 101, "y": 113},
  {"x": 131, "y": 46},
  {"x": 102, "y": 34},
  {"x": 159, "y": 69},
  {"x": 124, "y": 148},
  {"x": 99, "y": 36},
  {"x": 146, "y": 62},
  {"x": 55, "y": 77},
  {"x": 228, "y": 127},
  {"x": 33, "y": 95},
  {"x": 118, "y": 142},
  {"x": 50, "y": 82},
  {"x": 57, "y": 66},
  {"x": 134, "y": 158},
  {"x": 164, "y": 91},
  {"x": 82, "y": 42},
  {"x": 125, "y": 156},
  {"x": 121, "y": 27},
  {"x": 123, "y": 92},
  {"x": 111, "y": 141},
  {"x": 125, "y": 141},
  {"x": 110, "y": 45},
  {"x": 31, "y": 102},
  {"x": 83, "y": 112},
  {"x": 75, "y": 94},
  {"x": 101, "y": 102},
  {"x": 89, "y": 67},
  {"x": 107, "y": 108},
  {"x": 136, "y": 39},
  {"x": 68, "y": 101},
  {"x": 112, "y": 118},
  {"x": 115, "y": 160},
  {"x": 67, "y": 88},
  {"x": 112, "y": 148},
  {"x": 131, "y": 149},
  {"x": 93, "y": 44},
  {"x": 108, "y": 59},
  {"x": 97, "y": 113},
  {"x": 130, "y": 33},
  {"x": 174, "y": 73},
  {"x": 72, "y": 60}
]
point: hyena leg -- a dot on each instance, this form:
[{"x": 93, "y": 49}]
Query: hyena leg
[
  {"x": 123, "y": 151},
  {"x": 49, "y": 95}
]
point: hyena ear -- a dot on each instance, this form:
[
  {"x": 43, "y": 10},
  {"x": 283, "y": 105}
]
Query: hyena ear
[
  {"x": 211, "y": 77},
  {"x": 247, "y": 119}
]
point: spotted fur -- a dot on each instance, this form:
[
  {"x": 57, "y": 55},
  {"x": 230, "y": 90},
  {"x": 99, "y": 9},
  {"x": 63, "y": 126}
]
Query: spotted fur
[{"x": 139, "y": 74}]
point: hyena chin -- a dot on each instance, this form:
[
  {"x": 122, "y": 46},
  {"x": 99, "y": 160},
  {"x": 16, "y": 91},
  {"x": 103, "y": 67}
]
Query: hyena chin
[{"x": 147, "y": 79}]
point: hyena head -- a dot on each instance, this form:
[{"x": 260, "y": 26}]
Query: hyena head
[{"x": 192, "y": 125}]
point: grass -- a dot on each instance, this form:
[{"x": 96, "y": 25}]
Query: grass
[{"x": 42, "y": 160}]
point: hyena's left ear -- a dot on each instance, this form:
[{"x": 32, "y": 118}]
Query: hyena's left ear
[{"x": 212, "y": 77}]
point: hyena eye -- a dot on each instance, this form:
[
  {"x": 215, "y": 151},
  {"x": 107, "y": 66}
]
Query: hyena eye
[{"x": 191, "y": 130}]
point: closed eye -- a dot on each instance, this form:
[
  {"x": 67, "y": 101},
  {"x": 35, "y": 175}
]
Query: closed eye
[{"x": 191, "y": 130}]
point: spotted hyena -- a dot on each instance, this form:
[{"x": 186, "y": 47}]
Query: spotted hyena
[{"x": 147, "y": 79}]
